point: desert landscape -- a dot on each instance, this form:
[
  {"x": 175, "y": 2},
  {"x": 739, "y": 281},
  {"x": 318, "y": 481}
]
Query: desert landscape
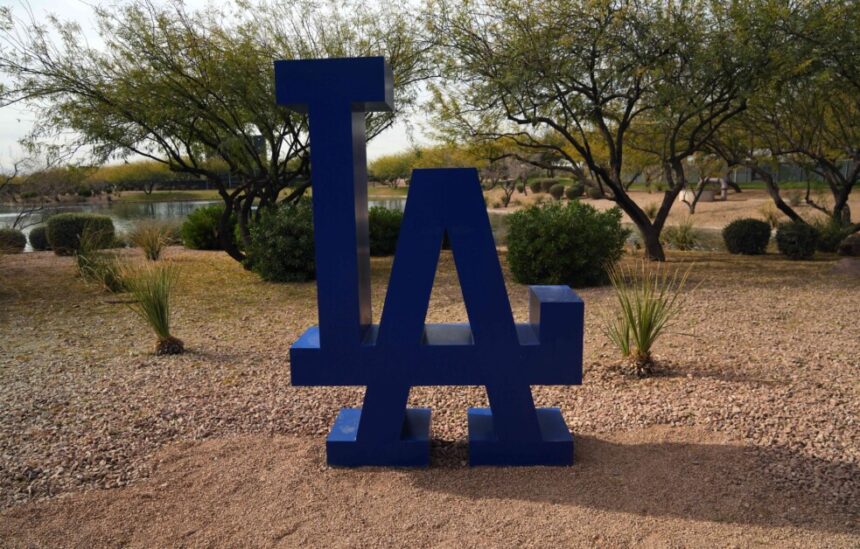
[{"x": 747, "y": 434}]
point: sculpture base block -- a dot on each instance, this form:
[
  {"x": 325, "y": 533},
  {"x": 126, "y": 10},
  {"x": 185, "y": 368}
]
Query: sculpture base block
[
  {"x": 412, "y": 450},
  {"x": 555, "y": 448}
]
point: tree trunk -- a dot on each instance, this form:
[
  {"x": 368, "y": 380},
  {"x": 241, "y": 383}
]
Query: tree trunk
[
  {"x": 773, "y": 191},
  {"x": 224, "y": 235},
  {"x": 651, "y": 241},
  {"x": 244, "y": 216},
  {"x": 841, "y": 209},
  {"x": 650, "y": 231}
]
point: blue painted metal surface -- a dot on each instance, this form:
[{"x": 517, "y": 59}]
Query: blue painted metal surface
[{"x": 402, "y": 351}]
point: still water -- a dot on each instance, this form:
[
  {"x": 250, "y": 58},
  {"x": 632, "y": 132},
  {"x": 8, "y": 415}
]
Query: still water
[{"x": 126, "y": 215}]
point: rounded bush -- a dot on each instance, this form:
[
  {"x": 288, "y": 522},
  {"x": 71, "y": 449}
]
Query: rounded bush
[
  {"x": 534, "y": 186},
  {"x": 593, "y": 192},
  {"x": 39, "y": 238},
  {"x": 571, "y": 244},
  {"x": 84, "y": 191},
  {"x": 521, "y": 188},
  {"x": 830, "y": 235},
  {"x": 547, "y": 184},
  {"x": 282, "y": 243},
  {"x": 574, "y": 191},
  {"x": 200, "y": 229},
  {"x": 850, "y": 246},
  {"x": 557, "y": 191},
  {"x": 12, "y": 241},
  {"x": 384, "y": 226},
  {"x": 796, "y": 240},
  {"x": 746, "y": 236},
  {"x": 65, "y": 231}
]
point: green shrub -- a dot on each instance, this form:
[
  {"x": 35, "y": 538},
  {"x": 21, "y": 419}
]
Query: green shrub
[
  {"x": 521, "y": 188},
  {"x": 534, "y": 186},
  {"x": 547, "y": 184},
  {"x": 557, "y": 191},
  {"x": 84, "y": 191},
  {"x": 572, "y": 244},
  {"x": 384, "y": 226},
  {"x": 746, "y": 236},
  {"x": 830, "y": 234},
  {"x": 796, "y": 240},
  {"x": 593, "y": 192},
  {"x": 65, "y": 231},
  {"x": 12, "y": 241},
  {"x": 200, "y": 229},
  {"x": 684, "y": 236},
  {"x": 574, "y": 191},
  {"x": 282, "y": 243},
  {"x": 39, "y": 238}
]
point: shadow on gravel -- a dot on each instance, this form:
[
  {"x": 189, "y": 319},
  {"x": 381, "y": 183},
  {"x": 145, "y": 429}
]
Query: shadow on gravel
[{"x": 713, "y": 482}]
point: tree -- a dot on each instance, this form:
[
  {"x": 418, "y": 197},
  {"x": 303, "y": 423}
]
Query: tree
[
  {"x": 506, "y": 172},
  {"x": 183, "y": 87},
  {"x": 391, "y": 168},
  {"x": 589, "y": 74},
  {"x": 33, "y": 184},
  {"x": 143, "y": 175},
  {"x": 704, "y": 82},
  {"x": 808, "y": 112}
]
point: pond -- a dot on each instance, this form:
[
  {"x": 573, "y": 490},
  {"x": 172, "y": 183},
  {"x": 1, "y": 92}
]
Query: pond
[{"x": 126, "y": 215}]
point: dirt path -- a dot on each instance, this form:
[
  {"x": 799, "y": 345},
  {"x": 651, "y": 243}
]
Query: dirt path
[
  {"x": 655, "y": 487},
  {"x": 709, "y": 215}
]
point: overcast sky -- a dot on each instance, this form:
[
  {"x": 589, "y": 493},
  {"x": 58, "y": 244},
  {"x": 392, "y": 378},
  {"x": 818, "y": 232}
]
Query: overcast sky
[{"x": 15, "y": 122}]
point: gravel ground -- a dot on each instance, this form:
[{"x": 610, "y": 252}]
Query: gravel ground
[{"x": 753, "y": 419}]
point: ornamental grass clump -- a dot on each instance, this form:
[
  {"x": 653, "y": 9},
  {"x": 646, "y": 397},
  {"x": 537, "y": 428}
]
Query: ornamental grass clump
[
  {"x": 98, "y": 266},
  {"x": 682, "y": 237},
  {"x": 648, "y": 301},
  {"x": 152, "y": 237},
  {"x": 151, "y": 287}
]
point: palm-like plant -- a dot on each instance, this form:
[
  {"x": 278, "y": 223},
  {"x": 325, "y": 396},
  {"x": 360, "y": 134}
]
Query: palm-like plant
[
  {"x": 648, "y": 301},
  {"x": 151, "y": 287}
]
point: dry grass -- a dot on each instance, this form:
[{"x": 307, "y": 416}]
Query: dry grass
[{"x": 152, "y": 237}]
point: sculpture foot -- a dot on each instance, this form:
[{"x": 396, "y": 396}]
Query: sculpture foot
[
  {"x": 412, "y": 450},
  {"x": 555, "y": 448}
]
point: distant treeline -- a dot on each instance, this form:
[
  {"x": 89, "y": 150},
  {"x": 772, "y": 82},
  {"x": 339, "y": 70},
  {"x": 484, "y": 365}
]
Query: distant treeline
[{"x": 86, "y": 181}]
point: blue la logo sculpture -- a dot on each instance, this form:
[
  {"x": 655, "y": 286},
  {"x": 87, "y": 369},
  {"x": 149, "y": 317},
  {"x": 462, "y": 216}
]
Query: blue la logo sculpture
[{"x": 402, "y": 351}]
